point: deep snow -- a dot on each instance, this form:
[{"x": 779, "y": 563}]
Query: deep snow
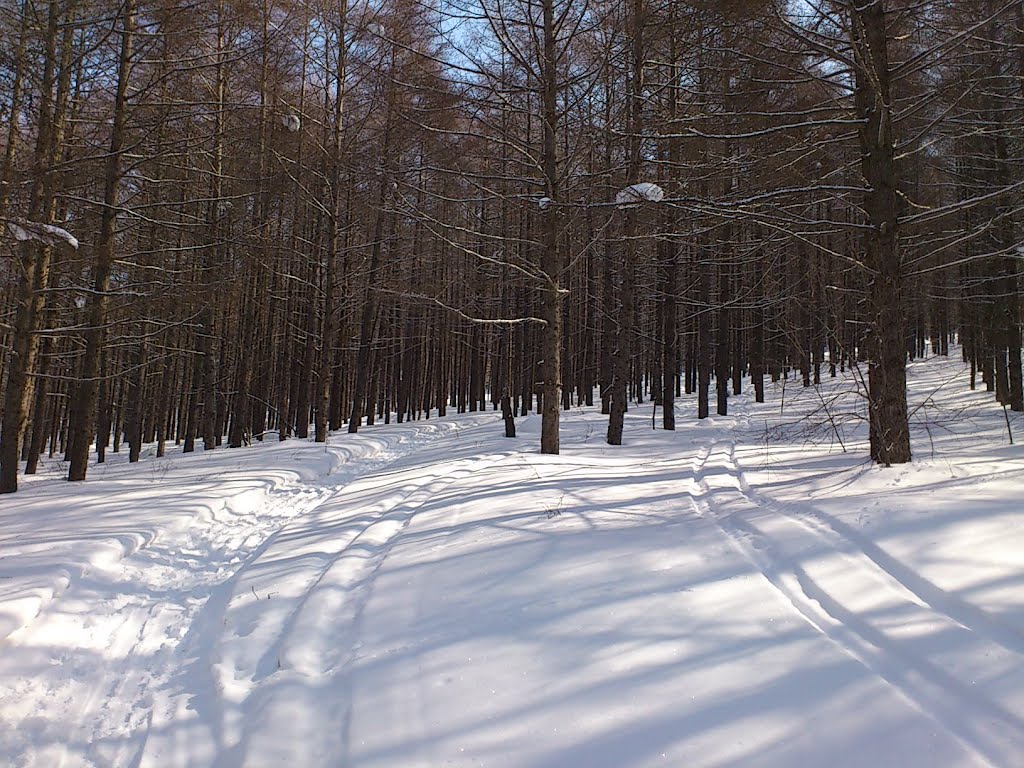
[{"x": 738, "y": 593}]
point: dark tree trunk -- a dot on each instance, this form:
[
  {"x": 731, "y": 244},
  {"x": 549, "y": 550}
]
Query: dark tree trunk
[
  {"x": 669, "y": 357},
  {"x": 551, "y": 256},
  {"x": 887, "y": 376},
  {"x": 83, "y": 408}
]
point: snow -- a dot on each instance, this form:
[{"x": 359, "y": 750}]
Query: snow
[
  {"x": 291, "y": 122},
  {"x": 629, "y": 197},
  {"x": 433, "y": 594},
  {"x": 23, "y": 230},
  {"x": 18, "y": 233}
]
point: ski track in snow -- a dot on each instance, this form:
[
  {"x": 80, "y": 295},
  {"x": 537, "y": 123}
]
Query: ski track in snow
[
  {"x": 166, "y": 581},
  {"x": 278, "y": 675},
  {"x": 787, "y": 543},
  {"x": 249, "y": 630}
]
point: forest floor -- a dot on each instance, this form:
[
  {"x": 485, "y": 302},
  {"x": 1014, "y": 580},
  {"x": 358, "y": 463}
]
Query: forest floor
[{"x": 741, "y": 592}]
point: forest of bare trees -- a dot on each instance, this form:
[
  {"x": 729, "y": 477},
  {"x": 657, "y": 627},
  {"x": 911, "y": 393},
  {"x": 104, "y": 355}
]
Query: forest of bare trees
[{"x": 224, "y": 220}]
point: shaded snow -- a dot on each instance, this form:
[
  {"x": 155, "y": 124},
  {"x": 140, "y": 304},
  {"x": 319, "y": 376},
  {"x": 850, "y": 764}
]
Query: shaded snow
[{"x": 434, "y": 594}]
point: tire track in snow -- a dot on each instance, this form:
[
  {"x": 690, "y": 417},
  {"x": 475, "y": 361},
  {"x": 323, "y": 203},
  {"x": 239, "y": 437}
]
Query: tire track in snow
[{"x": 994, "y": 733}]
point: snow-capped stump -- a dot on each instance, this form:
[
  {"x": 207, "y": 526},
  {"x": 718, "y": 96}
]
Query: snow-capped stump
[
  {"x": 291, "y": 122},
  {"x": 635, "y": 194},
  {"x": 23, "y": 230},
  {"x": 544, "y": 203}
]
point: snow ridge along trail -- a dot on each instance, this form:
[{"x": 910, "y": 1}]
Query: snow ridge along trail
[
  {"x": 104, "y": 600},
  {"x": 871, "y": 606}
]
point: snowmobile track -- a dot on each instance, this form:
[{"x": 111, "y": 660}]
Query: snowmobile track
[{"x": 997, "y": 735}]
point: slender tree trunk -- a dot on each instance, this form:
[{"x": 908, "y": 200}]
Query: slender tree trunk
[
  {"x": 83, "y": 409},
  {"x": 329, "y": 293},
  {"x": 135, "y": 404},
  {"x": 622, "y": 355},
  {"x": 551, "y": 256}
]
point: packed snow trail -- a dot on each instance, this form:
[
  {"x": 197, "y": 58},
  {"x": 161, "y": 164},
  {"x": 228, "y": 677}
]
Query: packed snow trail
[
  {"x": 272, "y": 654},
  {"x": 434, "y": 594},
  {"x": 845, "y": 593},
  {"x": 622, "y": 630},
  {"x": 103, "y": 589}
]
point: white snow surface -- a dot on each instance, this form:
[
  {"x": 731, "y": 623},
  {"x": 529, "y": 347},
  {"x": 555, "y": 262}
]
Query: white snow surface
[
  {"x": 19, "y": 234},
  {"x": 740, "y": 592},
  {"x": 645, "y": 191},
  {"x": 23, "y": 230}
]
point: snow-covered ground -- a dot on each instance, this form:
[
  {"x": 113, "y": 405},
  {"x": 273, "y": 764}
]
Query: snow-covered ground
[{"x": 738, "y": 593}]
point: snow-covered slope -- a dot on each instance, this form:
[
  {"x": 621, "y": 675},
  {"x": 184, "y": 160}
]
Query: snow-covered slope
[{"x": 738, "y": 593}]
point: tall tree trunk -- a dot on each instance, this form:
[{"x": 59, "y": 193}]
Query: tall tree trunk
[
  {"x": 887, "y": 376},
  {"x": 83, "y": 409},
  {"x": 622, "y": 355},
  {"x": 33, "y": 268},
  {"x": 551, "y": 265},
  {"x": 329, "y": 294}
]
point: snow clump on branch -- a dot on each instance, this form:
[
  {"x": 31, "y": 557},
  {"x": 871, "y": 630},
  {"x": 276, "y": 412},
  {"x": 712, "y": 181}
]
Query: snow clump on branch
[
  {"x": 23, "y": 230},
  {"x": 635, "y": 194}
]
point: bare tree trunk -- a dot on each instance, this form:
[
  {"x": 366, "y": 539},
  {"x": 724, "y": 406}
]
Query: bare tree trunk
[
  {"x": 33, "y": 266},
  {"x": 329, "y": 310},
  {"x": 887, "y": 376},
  {"x": 622, "y": 354},
  {"x": 83, "y": 408},
  {"x": 13, "y": 129},
  {"x": 368, "y": 317},
  {"x": 134, "y": 406},
  {"x": 551, "y": 256}
]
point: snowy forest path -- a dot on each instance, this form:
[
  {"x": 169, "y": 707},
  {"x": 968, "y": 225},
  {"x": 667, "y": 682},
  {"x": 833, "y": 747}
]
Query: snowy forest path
[
  {"x": 434, "y": 593},
  {"x": 538, "y": 615},
  {"x": 146, "y": 597},
  {"x": 272, "y": 647},
  {"x": 871, "y": 606}
]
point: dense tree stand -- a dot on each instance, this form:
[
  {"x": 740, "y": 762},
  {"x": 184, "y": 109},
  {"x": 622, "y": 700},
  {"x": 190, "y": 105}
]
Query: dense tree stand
[{"x": 343, "y": 215}]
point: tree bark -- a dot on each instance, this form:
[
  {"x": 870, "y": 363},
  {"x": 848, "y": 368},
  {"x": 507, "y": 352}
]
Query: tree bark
[
  {"x": 887, "y": 377},
  {"x": 551, "y": 256},
  {"x": 83, "y": 409}
]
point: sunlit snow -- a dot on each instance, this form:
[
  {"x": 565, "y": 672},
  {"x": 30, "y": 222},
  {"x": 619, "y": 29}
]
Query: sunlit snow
[
  {"x": 740, "y": 592},
  {"x": 635, "y": 194},
  {"x": 22, "y": 231}
]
